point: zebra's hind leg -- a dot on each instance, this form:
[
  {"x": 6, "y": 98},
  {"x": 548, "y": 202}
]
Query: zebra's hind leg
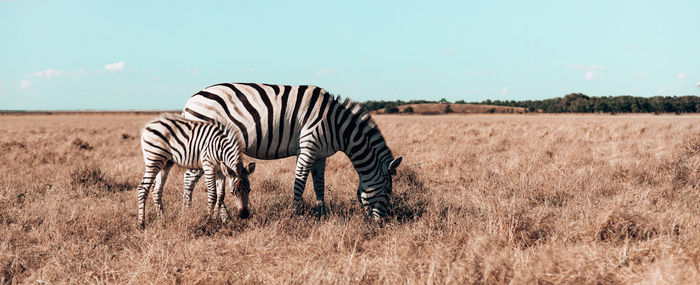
[
  {"x": 158, "y": 189},
  {"x": 317, "y": 173},
  {"x": 191, "y": 178},
  {"x": 146, "y": 183},
  {"x": 220, "y": 194}
]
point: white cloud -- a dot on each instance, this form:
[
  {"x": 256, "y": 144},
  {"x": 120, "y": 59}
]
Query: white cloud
[
  {"x": 504, "y": 90},
  {"x": 680, "y": 75},
  {"x": 413, "y": 69},
  {"x": 195, "y": 71},
  {"x": 589, "y": 75},
  {"x": 53, "y": 72},
  {"x": 24, "y": 84},
  {"x": 325, "y": 71},
  {"x": 115, "y": 66},
  {"x": 698, "y": 83},
  {"x": 661, "y": 90},
  {"x": 641, "y": 74}
]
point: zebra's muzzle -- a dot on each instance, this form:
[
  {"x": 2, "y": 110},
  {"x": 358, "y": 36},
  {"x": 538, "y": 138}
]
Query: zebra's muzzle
[{"x": 244, "y": 213}]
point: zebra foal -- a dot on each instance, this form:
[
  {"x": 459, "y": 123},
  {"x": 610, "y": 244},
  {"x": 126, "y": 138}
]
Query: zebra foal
[{"x": 211, "y": 146}]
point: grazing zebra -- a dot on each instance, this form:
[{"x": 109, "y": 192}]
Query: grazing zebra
[
  {"x": 277, "y": 121},
  {"x": 211, "y": 146}
]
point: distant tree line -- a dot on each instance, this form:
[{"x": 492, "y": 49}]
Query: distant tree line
[
  {"x": 581, "y": 103},
  {"x": 391, "y": 105},
  {"x": 576, "y": 103}
]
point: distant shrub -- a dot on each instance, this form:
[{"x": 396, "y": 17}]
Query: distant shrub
[
  {"x": 81, "y": 144},
  {"x": 448, "y": 109},
  {"x": 392, "y": 110},
  {"x": 9, "y": 145},
  {"x": 408, "y": 110},
  {"x": 491, "y": 110}
]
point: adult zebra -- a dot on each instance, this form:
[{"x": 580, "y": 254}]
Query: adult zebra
[{"x": 278, "y": 121}]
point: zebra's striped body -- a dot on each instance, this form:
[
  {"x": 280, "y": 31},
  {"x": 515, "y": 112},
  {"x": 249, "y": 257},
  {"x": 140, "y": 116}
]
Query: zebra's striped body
[
  {"x": 211, "y": 146},
  {"x": 278, "y": 121}
]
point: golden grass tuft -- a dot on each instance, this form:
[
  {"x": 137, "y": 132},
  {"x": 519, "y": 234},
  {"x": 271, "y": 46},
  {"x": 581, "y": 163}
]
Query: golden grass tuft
[{"x": 477, "y": 199}]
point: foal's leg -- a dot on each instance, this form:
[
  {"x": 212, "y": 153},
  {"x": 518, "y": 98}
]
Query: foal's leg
[
  {"x": 191, "y": 178},
  {"x": 210, "y": 180},
  {"x": 220, "y": 194}
]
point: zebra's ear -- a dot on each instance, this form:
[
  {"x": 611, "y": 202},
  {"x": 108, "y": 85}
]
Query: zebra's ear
[
  {"x": 394, "y": 163},
  {"x": 251, "y": 167}
]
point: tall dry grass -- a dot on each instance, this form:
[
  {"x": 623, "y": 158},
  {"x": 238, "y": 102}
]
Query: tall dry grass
[{"x": 478, "y": 199}]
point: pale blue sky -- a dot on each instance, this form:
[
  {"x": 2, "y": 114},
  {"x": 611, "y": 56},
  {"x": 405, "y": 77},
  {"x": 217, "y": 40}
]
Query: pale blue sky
[{"x": 155, "y": 54}]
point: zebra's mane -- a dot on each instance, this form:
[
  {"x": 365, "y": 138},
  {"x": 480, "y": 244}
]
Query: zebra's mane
[
  {"x": 365, "y": 121},
  {"x": 357, "y": 110}
]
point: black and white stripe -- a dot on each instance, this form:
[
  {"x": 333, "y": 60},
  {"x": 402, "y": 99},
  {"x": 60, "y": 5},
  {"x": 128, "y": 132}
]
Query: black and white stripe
[
  {"x": 211, "y": 146},
  {"x": 277, "y": 121}
]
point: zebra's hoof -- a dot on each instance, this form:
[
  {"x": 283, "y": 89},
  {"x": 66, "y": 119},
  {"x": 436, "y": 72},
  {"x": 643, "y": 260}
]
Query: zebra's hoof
[
  {"x": 321, "y": 211},
  {"x": 298, "y": 209}
]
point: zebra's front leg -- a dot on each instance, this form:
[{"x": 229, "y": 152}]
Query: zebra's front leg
[
  {"x": 220, "y": 195},
  {"x": 191, "y": 178},
  {"x": 304, "y": 162},
  {"x": 158, "y": 189},
  {"x": 317, "y": 173},
  {"x": 210, "y": 180}
]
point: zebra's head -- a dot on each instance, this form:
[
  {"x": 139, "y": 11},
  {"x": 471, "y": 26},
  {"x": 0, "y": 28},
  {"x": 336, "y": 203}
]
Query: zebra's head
[
  {"x": 237, "y": 178},
  {"x": 374, "y": 194}
]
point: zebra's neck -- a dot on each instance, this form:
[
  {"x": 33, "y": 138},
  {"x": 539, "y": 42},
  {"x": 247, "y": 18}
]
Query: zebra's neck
[
  {"x": 214, "y": 149},
  {"x": 369, "y": 160},
  {"x": 226, "y": 149},
  {"x": 362, "y": 142}
]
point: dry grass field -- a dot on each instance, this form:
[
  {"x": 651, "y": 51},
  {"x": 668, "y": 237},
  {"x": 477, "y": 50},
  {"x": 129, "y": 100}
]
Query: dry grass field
[{"x": 477, "y": 199}]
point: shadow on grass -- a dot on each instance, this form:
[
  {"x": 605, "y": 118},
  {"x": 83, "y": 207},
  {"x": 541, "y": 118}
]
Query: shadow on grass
[
  {"x": 207, "y": 227},
  {"x": 411, "y": 201},
  {"x": 90, "y": 178}
]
